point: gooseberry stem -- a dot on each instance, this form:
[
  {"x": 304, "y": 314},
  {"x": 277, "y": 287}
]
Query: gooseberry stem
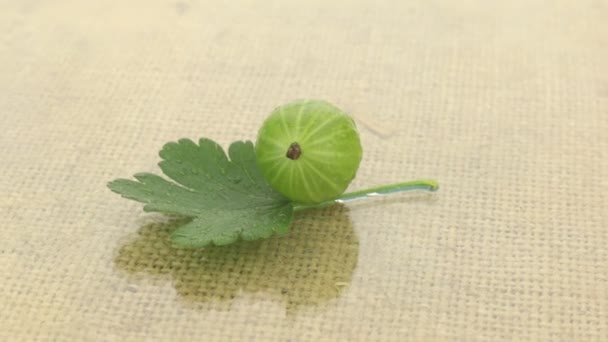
[{"x": 423, "y": 184}]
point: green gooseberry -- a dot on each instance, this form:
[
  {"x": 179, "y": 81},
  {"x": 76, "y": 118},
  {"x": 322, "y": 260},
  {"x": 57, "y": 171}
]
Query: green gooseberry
[{"x": 309, "y": 151}]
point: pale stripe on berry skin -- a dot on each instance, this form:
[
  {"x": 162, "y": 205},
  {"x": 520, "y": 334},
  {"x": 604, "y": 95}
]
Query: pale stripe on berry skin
[
  {"x": 271, "y": 158},
  {"x": 294, "y": 131},
  {"x": 327, "y": 138},
  {"x": 284, "y": 123},
  {"x": 316, "y": 187},
  {"x": 310, "y": 185},
  {"x": 274, "y": 142},
  {"x": 332, "y": 163},
  {"x": 292, "y": 179},
  {"x": 304, "y": 105},
  {"x": 280, "y": 169},
  {"x": 327, "y": 158},
  {"x": 319, "y": 128},
  {"x": 297, "y": 125},
  {"x": 304, "y": 131},
  {"x": 320, "y": 174},
  {"x": 299, "y": 118}
]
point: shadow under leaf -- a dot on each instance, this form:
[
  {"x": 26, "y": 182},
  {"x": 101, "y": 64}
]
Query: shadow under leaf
[{"x": 308, "y": 266}]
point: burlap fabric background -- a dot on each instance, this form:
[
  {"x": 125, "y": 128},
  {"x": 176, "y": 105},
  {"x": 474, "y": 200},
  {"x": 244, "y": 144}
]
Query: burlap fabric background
[{"x": 505, "y": 103}]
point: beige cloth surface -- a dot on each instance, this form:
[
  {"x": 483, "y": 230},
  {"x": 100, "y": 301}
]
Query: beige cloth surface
[{"x": 505, "y": 103}]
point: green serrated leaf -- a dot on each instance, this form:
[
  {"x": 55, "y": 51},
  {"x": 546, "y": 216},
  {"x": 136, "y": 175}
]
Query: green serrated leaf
[{"x": 226, "y": 196}]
